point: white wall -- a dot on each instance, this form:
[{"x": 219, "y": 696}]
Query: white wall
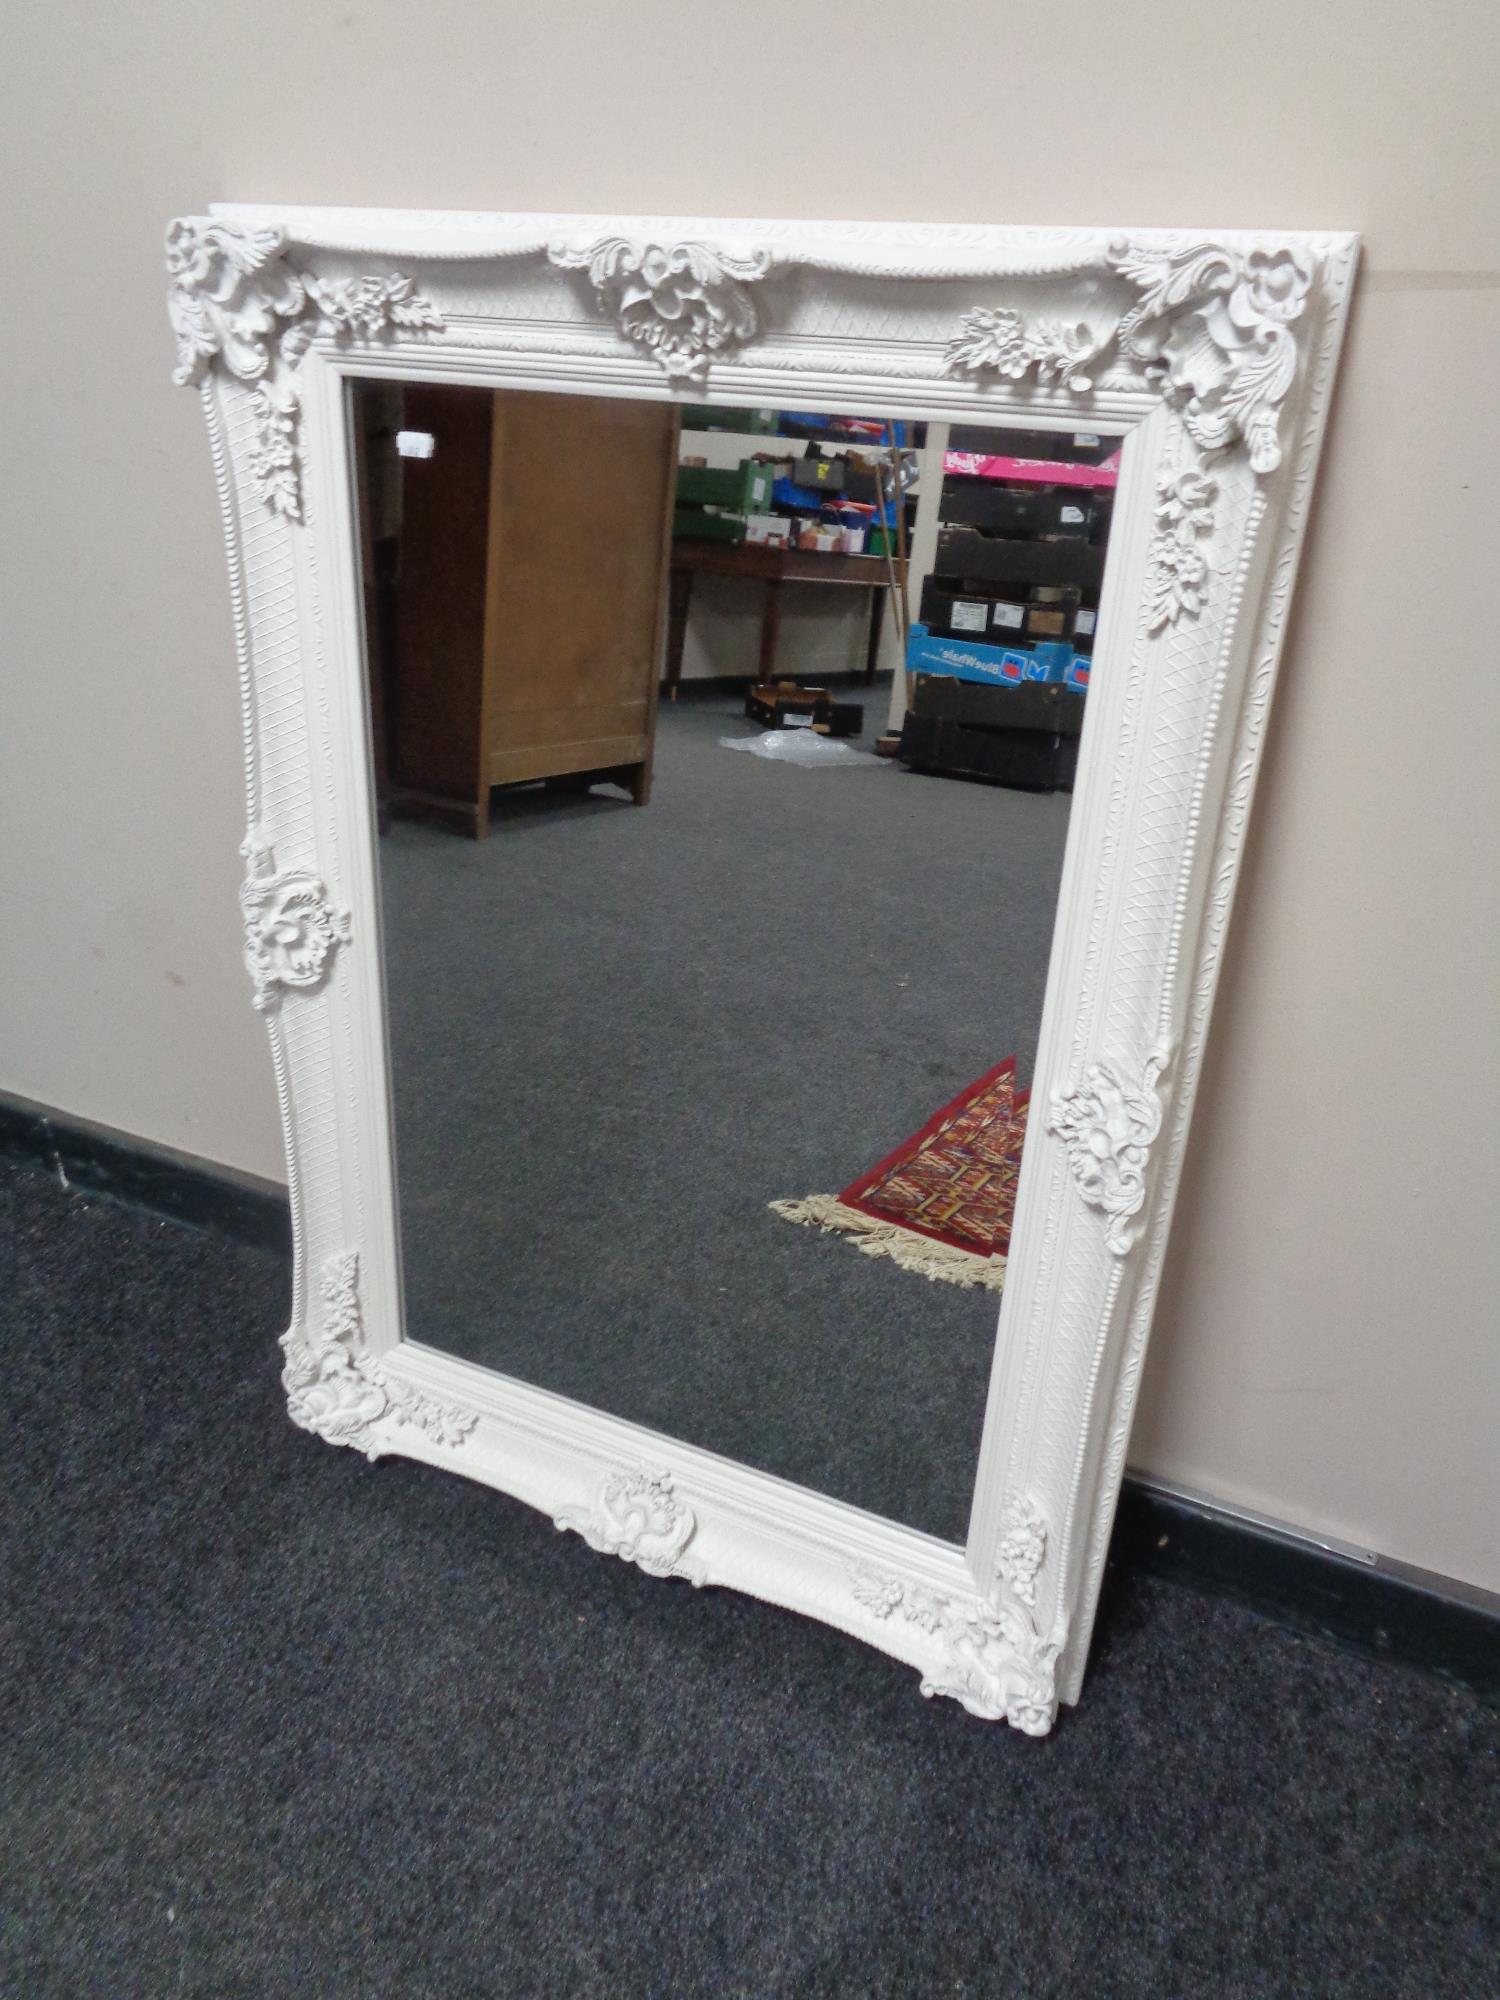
[
  {"x": 1325, "y": 1349},
  {"x": 825, "y": 629}
]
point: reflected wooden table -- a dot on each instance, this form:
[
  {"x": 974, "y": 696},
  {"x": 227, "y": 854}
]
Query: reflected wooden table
[{"x": 773, "y": 567}]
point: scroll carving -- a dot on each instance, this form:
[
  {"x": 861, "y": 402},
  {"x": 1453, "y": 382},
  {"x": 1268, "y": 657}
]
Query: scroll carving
[
  {"x": 291, "y": 928},
  {"x": 639, "y": 1517},
  {"x": 683, "y": 303},
  {"x": 1216, "y": 325},
  {"x": 1108, "y": 1123},
  {"x": 231, "y": 291}
]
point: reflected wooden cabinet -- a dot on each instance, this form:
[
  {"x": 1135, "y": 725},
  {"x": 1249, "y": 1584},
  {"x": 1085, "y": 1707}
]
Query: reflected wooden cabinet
[{"x": 524, "y": 563}]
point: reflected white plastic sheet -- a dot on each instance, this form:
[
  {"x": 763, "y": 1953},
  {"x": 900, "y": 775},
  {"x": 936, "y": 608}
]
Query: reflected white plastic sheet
[{"x": 804, "y": 749}]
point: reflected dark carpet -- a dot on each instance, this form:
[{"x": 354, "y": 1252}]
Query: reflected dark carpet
[
  {"x": 617, "y": 1035},
  {"x": 278, "y": 1723}
]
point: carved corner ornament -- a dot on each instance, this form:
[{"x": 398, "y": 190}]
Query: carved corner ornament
[
  {"x": 1212, "y": 326},
  {"x": 291, "y": 928},
  {"x": 683, "y": 303},
  {"x": 1215, "y": 326},
  {"x": 639, "y": 1517},
  {"x": 996, "y": 1662},
  {"x": 343, "y": 1395},
  {"x": 236, "y": 301},
  {"x": 1108, "y": 1123}
]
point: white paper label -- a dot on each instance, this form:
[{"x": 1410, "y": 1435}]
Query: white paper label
[
  {"x": 796, "y": 722},
  {"x": 1070, "y": 515},
  {"x": 1085, "y": 437},
  {"x": 415, "y": 444},
  {"x": 1012, "y": 616},
  {"x": 1083, "y": 622},
  {"x": 968, "y": 617}
]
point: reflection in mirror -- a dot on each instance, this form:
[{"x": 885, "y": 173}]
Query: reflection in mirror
[{"x": 724, "y": 760}]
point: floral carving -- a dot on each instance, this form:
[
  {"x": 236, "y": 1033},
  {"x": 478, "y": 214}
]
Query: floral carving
[
  {"x": 638, "y": 1517},
  {"x": 341, "y": 1394},
  {"x": 366, "y": 307},
  {"x": 1178, "y": 575},
  {"x": 291, "y": 928},
  {"x": 1023, "y": 1548},
  {"x": 273, "y": 456},
  {"x": 236, "y": 299},
  {"x": 881, "y": 1595},
  {"x": 1214, "y": 324},
  {"x": 1108, "y": 1124},
  {"x": 998, "y": 338},
  {"x": 682, "y": 302}
]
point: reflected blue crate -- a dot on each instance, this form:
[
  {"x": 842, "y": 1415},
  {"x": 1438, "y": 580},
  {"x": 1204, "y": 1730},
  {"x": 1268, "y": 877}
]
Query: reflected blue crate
[
  {"x": 1050, "y": 660},
  {"x": 999, "y": 666},
  {"x": 1002, "y": 666},
  {"x": 808, "y": 500}
]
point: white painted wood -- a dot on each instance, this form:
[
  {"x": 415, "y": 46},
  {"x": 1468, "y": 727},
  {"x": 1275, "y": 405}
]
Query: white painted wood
[
  {"x": 1215, "y": 354},
  {"x": 922, "y": 560}
]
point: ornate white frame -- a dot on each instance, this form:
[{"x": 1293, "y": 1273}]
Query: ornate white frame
[{"x": 1216, "y": 354}]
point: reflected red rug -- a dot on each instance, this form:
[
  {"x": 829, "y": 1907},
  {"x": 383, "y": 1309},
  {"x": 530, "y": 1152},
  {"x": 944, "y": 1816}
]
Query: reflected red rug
[{"x": 944, "y": 1201}]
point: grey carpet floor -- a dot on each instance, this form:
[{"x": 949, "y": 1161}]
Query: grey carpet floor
[
  {"x": 617, "y": 1034},
  {"x": 280, "y": 1724}
]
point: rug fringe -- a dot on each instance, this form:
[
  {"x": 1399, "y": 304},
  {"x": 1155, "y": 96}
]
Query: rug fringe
[{"x": 942, "y": 1262}]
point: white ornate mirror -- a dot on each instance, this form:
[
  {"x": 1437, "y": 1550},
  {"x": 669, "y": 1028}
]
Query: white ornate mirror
[{"x": 560, "y": 1102}]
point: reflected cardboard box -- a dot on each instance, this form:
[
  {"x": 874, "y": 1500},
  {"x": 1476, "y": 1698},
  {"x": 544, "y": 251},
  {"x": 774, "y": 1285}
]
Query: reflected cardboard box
[{"x": 768, "y": 531}]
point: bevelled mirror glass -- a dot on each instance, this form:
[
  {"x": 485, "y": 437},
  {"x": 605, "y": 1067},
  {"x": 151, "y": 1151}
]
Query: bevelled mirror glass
[
  {"x": 750, "y": 729},
  {"x": 723, "y": 760}
]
